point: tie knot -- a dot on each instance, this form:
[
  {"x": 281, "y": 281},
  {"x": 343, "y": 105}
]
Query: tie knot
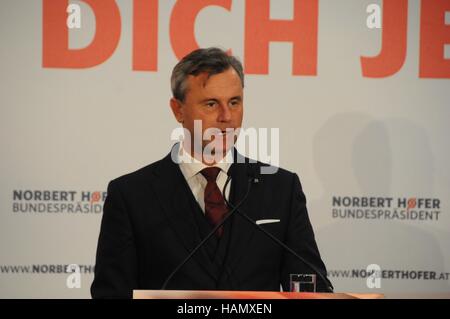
[{"x": 210, "y": 173}]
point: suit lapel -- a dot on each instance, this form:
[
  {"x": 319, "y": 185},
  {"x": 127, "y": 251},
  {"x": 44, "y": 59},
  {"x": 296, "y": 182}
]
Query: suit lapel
[{"x": 170, "y": 186}]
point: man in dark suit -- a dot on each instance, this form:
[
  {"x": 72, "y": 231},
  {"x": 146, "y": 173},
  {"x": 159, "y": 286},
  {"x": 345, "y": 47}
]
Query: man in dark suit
[{"x": 153, "y": 218}]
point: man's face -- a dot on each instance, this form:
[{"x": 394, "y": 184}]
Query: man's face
[{"x": 217, "y": 101}]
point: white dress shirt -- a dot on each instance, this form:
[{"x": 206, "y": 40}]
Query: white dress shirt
[{"x": 191, "y": 167}]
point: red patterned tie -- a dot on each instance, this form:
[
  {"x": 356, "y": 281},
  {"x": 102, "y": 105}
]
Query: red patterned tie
[{"x": 215, "y": 207}]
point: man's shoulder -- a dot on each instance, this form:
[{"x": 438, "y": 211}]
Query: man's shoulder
[
  {"x": 141, "y": 175},
  {"x": 271, "y": 172},
  {"x": 278, "y": 180}
]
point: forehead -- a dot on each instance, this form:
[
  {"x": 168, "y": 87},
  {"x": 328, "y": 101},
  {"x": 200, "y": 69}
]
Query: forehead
[{"x": 220, "y": 85}]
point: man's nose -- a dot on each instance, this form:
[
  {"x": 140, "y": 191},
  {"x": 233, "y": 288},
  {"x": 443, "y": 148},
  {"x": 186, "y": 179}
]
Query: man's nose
[{"x": 224, "y": 113}]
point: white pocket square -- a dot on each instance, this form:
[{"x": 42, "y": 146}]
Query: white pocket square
[{"x": 267, "y": 221}]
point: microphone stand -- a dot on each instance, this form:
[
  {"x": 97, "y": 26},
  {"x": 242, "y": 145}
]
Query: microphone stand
[
  {"x": 255, "y": 180},
  {"x": 230, "y": 213}
]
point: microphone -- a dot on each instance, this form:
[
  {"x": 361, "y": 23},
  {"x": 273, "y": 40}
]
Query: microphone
[
  {"x": 212, "y": 232},
  {"x": 254, "y": 179}
]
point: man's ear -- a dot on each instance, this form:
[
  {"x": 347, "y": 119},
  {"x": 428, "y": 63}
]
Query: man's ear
[{"x": 177, "y": 109}]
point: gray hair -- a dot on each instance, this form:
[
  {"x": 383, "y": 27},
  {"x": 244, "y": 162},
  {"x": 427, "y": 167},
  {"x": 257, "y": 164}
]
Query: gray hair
[{"x": 210, "y": 60}]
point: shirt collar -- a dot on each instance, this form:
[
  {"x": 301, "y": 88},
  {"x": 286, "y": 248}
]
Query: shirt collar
[{"x": 190, "y": 166}]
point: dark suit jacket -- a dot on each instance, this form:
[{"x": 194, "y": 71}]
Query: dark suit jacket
[{"x": 151, "y": 222}]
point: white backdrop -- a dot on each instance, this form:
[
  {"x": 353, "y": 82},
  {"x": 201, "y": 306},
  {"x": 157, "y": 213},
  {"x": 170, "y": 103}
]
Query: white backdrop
[{"x": 71, "y": 130}]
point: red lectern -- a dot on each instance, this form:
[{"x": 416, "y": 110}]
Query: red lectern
[{"x": 222, "y": 294}]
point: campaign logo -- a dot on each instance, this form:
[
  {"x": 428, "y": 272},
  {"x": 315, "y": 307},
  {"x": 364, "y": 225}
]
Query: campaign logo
[
  {"x": 57, "y": 201},
  {"x": 386, "y": 208}
]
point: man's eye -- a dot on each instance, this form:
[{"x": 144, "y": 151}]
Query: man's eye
[
  {"x": 211, "y": 104},
  {"x": 234, "y": 103}
]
